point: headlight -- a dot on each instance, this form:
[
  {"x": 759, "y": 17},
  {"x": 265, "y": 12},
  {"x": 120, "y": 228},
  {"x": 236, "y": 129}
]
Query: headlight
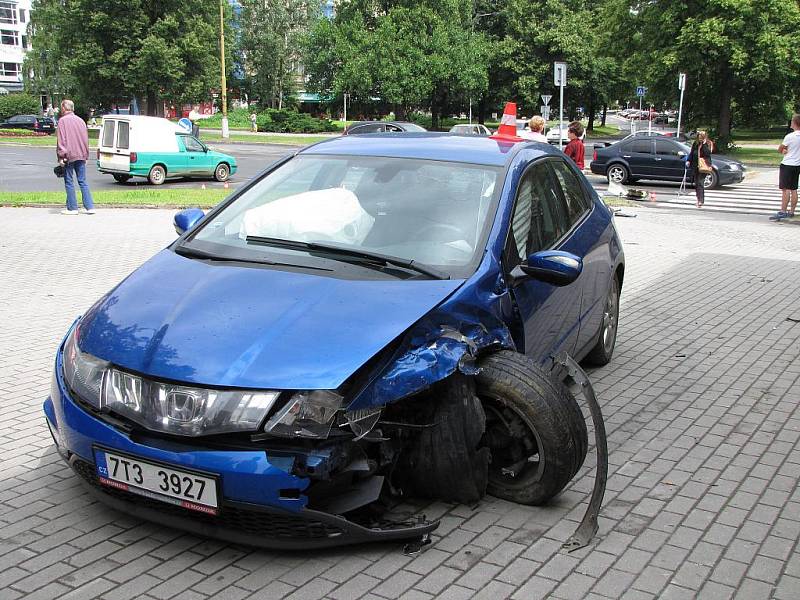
[
  {"x": 184, "y": 410},
  {"x": 306, "y": 414},
  {"x": 83, "y": 372},
  {"x": 733, "y": 167}
]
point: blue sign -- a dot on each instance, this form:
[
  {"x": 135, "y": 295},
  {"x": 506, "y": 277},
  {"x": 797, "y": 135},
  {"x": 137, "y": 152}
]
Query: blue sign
[
  {"x": 186, "y": 124},
  {"x": 641, "y": 91}
]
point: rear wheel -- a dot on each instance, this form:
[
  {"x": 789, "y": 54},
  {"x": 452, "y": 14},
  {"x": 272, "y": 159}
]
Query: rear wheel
[
  {"x": 534, "y": 429},
  {"x": 222, "y": 172},
  {"x": 617, "y": 173},
  {"x": 120, "y": 178},
  {"x": 157, "y": 175}
]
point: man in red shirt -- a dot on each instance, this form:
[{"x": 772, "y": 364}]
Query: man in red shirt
[
  {"x": 72, "y": 150},
  {"x": 574, "y": 148}
]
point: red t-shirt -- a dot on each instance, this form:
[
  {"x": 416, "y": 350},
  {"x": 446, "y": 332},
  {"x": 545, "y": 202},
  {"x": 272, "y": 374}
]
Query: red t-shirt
[{"x": 574, "y": 149}]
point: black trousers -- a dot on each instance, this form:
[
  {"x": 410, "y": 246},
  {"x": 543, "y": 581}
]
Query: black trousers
[{"x": 699, "y": 190}]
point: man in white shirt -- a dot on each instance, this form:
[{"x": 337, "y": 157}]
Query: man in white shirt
[
  {"x": 789, "y": 172},
  {"x": 536, "y": 132}
]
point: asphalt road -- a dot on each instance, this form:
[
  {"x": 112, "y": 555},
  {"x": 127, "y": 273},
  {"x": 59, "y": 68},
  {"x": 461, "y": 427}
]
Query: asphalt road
[{"x": 30, "y": 168}]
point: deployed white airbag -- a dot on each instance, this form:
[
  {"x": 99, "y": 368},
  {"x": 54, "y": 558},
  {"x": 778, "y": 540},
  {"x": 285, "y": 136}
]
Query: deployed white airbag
[{"x": 330, "y": 215}]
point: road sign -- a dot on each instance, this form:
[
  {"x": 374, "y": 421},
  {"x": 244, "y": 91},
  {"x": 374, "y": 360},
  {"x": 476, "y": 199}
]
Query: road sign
[
  {"x": 682, "y": 81},
  {"x": 546, "y": 98},
  {"x": 641, "y": 91},
  {"x": 186, "y": 124},
  {"x": 560, "y": 73},
  {"x": 544, "y": 110}
]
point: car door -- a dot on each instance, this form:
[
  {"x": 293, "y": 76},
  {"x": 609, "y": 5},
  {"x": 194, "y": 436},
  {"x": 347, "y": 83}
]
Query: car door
[
  {"x": 669, "y": 159},
  {"x": 640, "y": 158},
  {"x": 549, "y": 314},
  {"x": 195, "y": 156}
]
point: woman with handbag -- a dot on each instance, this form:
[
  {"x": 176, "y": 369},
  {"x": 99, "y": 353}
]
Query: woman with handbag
[{"x": 700, "y": 164}]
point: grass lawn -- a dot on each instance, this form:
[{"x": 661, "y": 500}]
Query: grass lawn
[
  {"x": 46, "y": 141},
  {"x": 294, "y": 140},
  {"x": 757, "y": 156},
  {"x": 150, "y": 198},
  {"x": 767, "y": 135},
  {"x": 607, "y": 130}
]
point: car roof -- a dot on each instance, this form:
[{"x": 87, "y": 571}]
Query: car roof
[{"x": 427, "y": 146}]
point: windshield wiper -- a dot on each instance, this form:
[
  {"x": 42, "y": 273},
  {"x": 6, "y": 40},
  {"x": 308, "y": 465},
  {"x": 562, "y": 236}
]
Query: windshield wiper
[
  {"x": 204, "y": 255},
  {"x": 383, "y": 259}
]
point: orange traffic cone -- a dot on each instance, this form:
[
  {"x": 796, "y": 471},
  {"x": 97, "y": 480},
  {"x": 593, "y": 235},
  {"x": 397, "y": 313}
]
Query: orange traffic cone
[{"x": 507, "y": 131}]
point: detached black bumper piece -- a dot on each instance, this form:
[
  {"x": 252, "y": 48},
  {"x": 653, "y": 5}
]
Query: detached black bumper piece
[{"x": 250, "y": 524}]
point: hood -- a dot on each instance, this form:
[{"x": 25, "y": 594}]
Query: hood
[
  {"x": 222, "y": 325},
  {"x": 221, "y": 155}
]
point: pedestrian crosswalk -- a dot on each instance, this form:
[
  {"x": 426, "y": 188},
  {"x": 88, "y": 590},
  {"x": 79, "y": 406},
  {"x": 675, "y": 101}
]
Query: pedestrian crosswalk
[{"x": 746, "y": 198}]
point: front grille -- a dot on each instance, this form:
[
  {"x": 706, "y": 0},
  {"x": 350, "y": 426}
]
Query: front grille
[{"x": 252, "y": 522}]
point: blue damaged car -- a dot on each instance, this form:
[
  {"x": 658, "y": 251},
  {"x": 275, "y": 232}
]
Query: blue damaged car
[{"x": 370, "y": 319}]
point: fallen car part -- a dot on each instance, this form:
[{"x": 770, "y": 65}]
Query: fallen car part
[
  {"x": 534, "y": 429},
  {"x": 589, "y": 526}
]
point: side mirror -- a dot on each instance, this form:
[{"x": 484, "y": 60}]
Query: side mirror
[
  {"x": 681, "y": 154},
  {"x": 186, "y": 219},
  {"x": 552, "y": 266}
]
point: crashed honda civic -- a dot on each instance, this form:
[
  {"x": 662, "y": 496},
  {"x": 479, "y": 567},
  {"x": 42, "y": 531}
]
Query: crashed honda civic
[{"x": 371, "y": 319}]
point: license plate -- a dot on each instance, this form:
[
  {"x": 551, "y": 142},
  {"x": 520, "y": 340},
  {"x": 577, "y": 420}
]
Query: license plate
[{"x": 187, "y": 489}]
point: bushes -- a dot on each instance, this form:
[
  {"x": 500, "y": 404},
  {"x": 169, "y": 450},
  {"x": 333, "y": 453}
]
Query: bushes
[
  {"x": 20, "y": 133},
  {"x": 18, "y": 104},
  {"x": 289, "y": 121},
  {"x": 238, "y": 118}
]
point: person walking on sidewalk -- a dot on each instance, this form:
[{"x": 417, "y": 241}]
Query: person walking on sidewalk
[
  {"x": 574, "y": 148},
  {"x": 789, "y": 171},
  {"x": 72, "y": 150},
  {"x": 699, "y": 165}
]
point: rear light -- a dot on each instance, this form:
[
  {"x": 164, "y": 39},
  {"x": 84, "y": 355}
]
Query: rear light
[
  {"x": 594, "y": 156},
  {"x": 36, "y": 124},
  {"x": 134, "y": 158}
]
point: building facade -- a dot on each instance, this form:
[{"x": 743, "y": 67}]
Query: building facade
[{"x": 14, "y": 18}]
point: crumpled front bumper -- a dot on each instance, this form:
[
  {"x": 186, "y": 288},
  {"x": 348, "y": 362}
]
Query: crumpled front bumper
[{"x": 254, "y": 507}]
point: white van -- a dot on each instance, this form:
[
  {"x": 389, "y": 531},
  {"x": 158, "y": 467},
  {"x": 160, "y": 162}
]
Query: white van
[{"x": 156, "y": 148}]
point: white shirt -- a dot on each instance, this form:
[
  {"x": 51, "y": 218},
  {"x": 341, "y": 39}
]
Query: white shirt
[
  {"x": 532, "y": 135},
  {"x": 792, "y": 143}
]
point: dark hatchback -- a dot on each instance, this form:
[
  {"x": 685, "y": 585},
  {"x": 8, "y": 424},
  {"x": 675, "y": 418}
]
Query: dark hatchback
[
  {"x": 358, "y": 127},
  {"x": 31, "y": 122},
  {"x": 659, "y": 158}
]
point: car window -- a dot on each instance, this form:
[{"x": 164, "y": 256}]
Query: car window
[
  {"x": 15, "y": 120},
  {"x": 667, "y": 148},
  {"x": 574, "y": 194},
  {"x": 393, "y": 129},
  {"x": 371, "y": 128},
  {"x": 540, "y": 215},
  {"x": 192, "y": 144},
  {"x": 123, "y": 135},
  {"x": 640, "y": 146},
  {"x": 109, "y": 128}
]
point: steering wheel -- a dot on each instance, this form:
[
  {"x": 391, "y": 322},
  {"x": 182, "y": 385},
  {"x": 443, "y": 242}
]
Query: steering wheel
[{"x": 423, "y": 234}]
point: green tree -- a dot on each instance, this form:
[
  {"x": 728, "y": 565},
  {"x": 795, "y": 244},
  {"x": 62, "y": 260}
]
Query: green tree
[
  {"x": 106, "y": 51},
  {"x": 272, "y": 34},
  {"x": 18, "y": 104}
]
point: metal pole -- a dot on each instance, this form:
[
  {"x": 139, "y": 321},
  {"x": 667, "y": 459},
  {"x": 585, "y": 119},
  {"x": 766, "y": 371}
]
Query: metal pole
[
  {"x": 225, "y": 132},
  {"x": 650, "y": 120},
  {"x": 345, "y": 109},
  {"x": 680, "y": 110},
  {"x": 470, "y": 111},
  {"x": 561, "y": 113}
]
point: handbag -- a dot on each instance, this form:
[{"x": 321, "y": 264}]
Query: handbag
[
  {"x": 703, "y": 164},
  {"x": 58, "y": 170}
]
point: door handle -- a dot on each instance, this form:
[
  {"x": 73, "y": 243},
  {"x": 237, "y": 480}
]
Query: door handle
[
  {"x": 657, "y": 158},
  {"x": 626, "y": 156}
]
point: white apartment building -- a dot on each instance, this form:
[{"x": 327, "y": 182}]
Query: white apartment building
[{"x": 14, "y": 17}]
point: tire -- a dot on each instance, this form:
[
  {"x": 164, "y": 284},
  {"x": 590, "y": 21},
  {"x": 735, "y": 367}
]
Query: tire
[
  {"x": 601, "y": 354},
  {"x": 528, "y": 413},
  {"x": 222, "y": 172},
  {"x": 710, "y": 180},
  {"x": 120, "y": 178},
  {"x": 157, "y": 175},
  {"x": 618, "y": 173}
]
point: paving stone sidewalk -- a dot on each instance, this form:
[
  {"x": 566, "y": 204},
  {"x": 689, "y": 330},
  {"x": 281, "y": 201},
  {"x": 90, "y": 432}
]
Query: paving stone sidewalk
[{"x": 701, "y": 402}]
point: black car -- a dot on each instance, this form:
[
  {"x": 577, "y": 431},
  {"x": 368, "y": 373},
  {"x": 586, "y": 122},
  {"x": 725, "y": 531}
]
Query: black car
[
  {"x": 358, "y": 127},
  {"x": 32, "y": 122},
  {"x": 660, "y": 158}
]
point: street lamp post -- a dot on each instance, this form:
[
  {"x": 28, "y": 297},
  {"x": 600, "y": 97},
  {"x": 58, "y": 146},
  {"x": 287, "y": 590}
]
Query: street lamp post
[{"x": 225, "y": 132}]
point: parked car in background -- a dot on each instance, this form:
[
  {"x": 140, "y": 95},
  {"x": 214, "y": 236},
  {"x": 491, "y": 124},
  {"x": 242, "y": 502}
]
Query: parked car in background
[
  {"x": 660, "y": 158},
  {"x": 373, "y": 316},
  {"x": 30, "y": 122},
  {"x": 359, "y": 127},
  {"x": 560, "y": 131},
  {"x": 474, "y": 129},
  {"x": 156, "y": 148}
]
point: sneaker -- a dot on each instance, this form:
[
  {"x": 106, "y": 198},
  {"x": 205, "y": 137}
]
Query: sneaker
[
  {"x": 779, "y": 215},
  {"x": 87, "y": 211},
  {"x": 67, "y": 211}
]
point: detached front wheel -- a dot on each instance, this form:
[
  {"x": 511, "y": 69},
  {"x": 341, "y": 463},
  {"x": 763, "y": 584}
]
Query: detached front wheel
[{"x": 534, "y": 429}]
